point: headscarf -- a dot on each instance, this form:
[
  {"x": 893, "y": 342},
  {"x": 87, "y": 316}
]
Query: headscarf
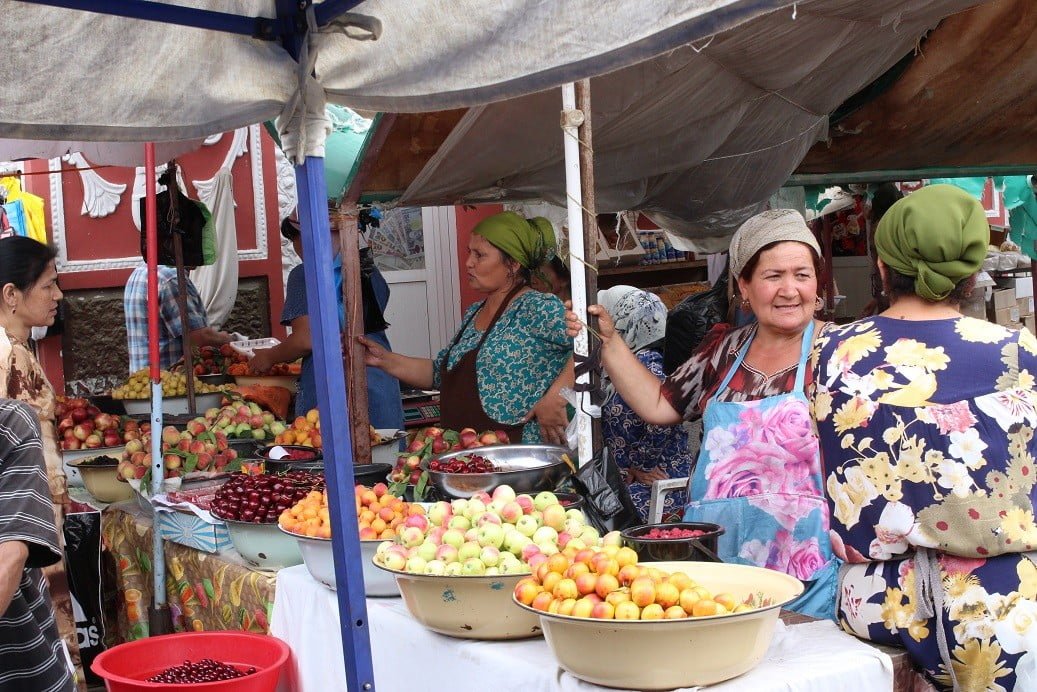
[
  {"x": 771, "y": 226},
  {"x": 938, "y": 235},
  {"x": 640, "y": 319},
  {"x": 530, "y": 242}
]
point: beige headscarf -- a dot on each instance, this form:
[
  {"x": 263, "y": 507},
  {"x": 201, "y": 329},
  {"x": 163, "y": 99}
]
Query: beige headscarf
[{"x": 771, "y": 226}]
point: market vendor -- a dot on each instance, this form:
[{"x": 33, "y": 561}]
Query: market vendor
[
  {"x": 926, "y": 421},
  {"x": 384, "y": 404},
  {"x": 507, "y": 363},
  {"x": 170, "y": 326},
  {"x": 758, "y": 473}
]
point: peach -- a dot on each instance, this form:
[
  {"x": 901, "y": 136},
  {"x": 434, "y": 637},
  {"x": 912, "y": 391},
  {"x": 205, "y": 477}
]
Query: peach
[
  {"x": 627, "y": 610},
  {"x": 542, "y": 601},
  {"x": 586, "y": 582},
  {"x": 526, "y": 590},
  {"x": 583, "y": 608},
  {"x": 606, "y": 584},
  {"x": 652, "y": 611},
  {"x": 565, "y": 588},
  {"x": 674, "y": 612},
  {"x": 618, "y": 596},
  {"x": 628, "y": 574},
  {"x": 566, "y": 606},
  {"x": 666, "y": 595},
  {"x": 704, "y": 607},
  {"x": 642, "y": 591},
  {"x": 603, "y": 611}
]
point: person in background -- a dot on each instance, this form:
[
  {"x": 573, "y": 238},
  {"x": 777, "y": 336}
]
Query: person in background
[
  {"x": 29, "y": 297},
  {"x": 509, "y": 360},
  {"x": 645, "y": 453},
  {"x": 758, "y": 473},
  {"x": 385, "y": 406},
  {"x": 926, "y": 420},
  {"x": 31, "y": 653},
  {"x": 884, "y": 197},
  {"x": 553, "y": 277},
  {"x": 170, "y": 327}
]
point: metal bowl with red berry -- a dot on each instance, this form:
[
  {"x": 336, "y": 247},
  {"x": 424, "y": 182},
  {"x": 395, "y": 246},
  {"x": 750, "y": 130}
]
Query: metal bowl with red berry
[
  {"x": 686, "y": 541},
  {"x": 526, "y": 468}
]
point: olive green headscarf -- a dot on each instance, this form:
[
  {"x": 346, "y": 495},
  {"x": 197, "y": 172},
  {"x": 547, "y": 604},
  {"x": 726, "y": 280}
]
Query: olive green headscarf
[
  {"x": 939, "y": 235},
  {"x": 530, "y": 242}
]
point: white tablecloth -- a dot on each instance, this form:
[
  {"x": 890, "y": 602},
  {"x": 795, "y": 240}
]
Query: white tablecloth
[{"x": 812, "y": 657}]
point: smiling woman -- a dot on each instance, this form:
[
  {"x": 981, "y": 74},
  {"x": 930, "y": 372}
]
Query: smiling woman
[
  {"x": 758, "y": 472},
  {"x": 29, "y": 297}
]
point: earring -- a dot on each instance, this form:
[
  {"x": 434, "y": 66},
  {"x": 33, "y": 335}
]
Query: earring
[{"x": 745, "y": 303}]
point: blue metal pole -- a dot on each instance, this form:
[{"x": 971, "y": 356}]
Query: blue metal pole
[
  {"x": 259, "y": 27},
  {"x": 325, "y": 336}
]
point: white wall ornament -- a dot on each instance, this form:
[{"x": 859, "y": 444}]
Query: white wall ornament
[
  {"x": 245, "y": 140},
  {"x": 100, "y": 196}
]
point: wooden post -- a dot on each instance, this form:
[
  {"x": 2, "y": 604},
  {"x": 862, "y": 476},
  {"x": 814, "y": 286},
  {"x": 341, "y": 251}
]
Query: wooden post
[
  {"x": 352, "y": 352},
  {"x": 590, "y": 222}
]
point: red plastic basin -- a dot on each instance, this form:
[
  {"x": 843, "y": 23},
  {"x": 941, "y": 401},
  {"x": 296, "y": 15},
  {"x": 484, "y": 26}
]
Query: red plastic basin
[{"x": 126, "y": 667}]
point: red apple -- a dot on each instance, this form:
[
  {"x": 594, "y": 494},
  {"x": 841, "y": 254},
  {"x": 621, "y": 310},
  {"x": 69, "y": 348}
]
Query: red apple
[
  {"x": 82, "y": 431},
  {"x": 78, "y": 415},
  {"x": 92, "y": 441},
  {"x": 103, "y": 421},
  {"x": 77, "y": 403},
  {"x": 204, "y": 461},
  {"x": 70, "y": 444},
  {"x": 111, "y": 439},
  {"x": 92, "y": 411},
  {"x": 172, "y": 461}
]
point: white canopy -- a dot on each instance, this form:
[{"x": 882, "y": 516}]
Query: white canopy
[
  {"x": 699, "y": 137},
  {"x": 76, "y": 75}
]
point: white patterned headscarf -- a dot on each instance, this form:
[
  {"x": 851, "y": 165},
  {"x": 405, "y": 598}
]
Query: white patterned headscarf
[{"x": 639, "y": 316}]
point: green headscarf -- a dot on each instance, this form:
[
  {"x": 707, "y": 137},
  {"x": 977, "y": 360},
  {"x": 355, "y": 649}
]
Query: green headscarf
[
  {"x": 939, "y": 235},
  {"x": 530, "y": 242}
]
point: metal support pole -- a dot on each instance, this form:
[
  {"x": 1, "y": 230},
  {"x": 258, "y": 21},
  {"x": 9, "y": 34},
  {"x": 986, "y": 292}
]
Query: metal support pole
[
  {"x": 159, "y": 618},
  {"x": 322, "y": 307},
  {"x": 571, "y": 119}
]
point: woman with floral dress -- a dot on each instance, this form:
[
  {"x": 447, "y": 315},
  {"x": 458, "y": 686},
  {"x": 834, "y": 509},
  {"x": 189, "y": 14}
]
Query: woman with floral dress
[
  {"x": 758, "y": 473},
  {"x": 926, "y": 420},
  {"x": 506, "y": 365},
  {"x": 644, "y": 452}
]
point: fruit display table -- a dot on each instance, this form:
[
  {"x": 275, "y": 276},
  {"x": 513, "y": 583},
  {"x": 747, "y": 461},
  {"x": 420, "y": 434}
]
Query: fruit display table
[
  {"x": 806, "y": 657},
  {"x": 205, "y": 591}
]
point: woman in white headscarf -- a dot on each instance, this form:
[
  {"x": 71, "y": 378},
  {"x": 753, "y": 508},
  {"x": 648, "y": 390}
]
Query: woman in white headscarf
[{"x": 644, "y": 452}]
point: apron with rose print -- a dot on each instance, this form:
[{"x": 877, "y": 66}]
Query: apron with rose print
[{"x": 759, "y": 476}]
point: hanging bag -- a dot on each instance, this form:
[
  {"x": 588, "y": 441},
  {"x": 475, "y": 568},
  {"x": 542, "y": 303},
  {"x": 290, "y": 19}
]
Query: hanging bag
[{"x": 607, "y": 506}]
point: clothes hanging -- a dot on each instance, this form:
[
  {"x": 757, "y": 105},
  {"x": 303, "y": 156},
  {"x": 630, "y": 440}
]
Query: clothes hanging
[{"x": 35, "y": 217}]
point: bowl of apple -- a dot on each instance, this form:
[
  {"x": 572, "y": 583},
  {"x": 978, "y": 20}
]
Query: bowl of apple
[{"x": 678, "y": 624}]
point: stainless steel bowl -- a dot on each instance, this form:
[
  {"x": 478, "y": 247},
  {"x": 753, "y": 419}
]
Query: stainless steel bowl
[{"x": 526, "y": 468}]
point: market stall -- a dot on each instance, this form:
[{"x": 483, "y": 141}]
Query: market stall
[{"x": 812, "y": 656}]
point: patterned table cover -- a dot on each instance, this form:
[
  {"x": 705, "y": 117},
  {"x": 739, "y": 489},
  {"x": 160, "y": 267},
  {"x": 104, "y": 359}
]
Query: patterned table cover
[{"x": 204, "y": 591}]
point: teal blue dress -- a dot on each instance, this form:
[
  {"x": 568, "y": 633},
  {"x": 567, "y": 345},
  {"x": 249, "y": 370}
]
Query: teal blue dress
[{"x": 522, "y": 357}]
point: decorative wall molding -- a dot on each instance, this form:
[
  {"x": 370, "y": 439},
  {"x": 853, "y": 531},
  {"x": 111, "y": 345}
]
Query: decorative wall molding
[
  {"x": 244, "y": 140},
  {"x": 100, "y": 196}
]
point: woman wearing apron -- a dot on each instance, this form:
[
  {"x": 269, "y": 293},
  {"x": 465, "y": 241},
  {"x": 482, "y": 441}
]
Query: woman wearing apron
[
  {"x": 758, "y": 472},
  {"x": 505, "y": 366}
]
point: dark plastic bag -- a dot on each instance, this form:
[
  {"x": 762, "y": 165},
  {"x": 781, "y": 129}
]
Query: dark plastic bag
[
  {"x": 83, "y": 564},
  {"x": 193, "y": 223},
  {"x": 607, "y": 505},
  {"x": 689, "y": 321}
]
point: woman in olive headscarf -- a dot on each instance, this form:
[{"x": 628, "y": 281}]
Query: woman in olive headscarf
[
  {"x": 926, "y": 423},
  {"x": 505, "y": 366}
]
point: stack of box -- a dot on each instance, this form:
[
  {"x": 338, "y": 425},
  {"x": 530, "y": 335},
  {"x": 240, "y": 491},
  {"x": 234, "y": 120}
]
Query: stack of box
[
  {"x": 1024, "y": 302},
  {"x": 1004, "y": 308}
]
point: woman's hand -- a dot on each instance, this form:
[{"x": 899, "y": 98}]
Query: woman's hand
[
  {"x": 573, "y": 324},
  {"x": 550, "y": 415},
  {"x": 375, "y": 355},
  {"x": 648, "y": 476},
  {"x": 262, "y": 360}
]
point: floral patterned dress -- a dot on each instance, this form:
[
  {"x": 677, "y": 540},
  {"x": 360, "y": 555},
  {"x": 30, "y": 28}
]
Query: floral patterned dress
[
  {"x": 926, "y": 431},
  {"x": 520, "y": 360},
  {"x": 638, "y": 445}
]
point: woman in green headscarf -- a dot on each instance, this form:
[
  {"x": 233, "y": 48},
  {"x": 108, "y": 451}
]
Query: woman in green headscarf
[
  {"x": 511, "y": 357},
  {"x": 926, "y": 422}
]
